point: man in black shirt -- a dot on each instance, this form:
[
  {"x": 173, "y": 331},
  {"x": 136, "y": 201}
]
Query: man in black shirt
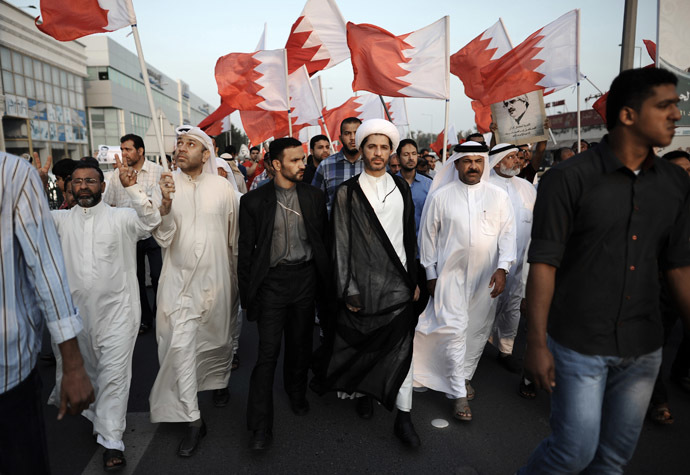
[{"x": 605, "y": 222}]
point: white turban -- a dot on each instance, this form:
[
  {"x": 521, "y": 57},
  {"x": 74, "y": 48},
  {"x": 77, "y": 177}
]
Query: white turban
[
  {"x": 377, "y": 126},
  {"x": 448, "y": 173},
  {"x": 206, "y": 141}
]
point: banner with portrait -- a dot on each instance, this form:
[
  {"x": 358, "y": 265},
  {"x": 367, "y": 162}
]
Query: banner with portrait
[{"x": 520, "y": 119}]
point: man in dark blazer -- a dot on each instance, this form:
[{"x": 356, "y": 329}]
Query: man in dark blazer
[{"x": 283, "y": 266}]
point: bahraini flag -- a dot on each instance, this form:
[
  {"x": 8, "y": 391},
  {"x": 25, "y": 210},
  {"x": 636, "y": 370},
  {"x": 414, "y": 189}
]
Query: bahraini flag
[{"x": 67, "y": 20}]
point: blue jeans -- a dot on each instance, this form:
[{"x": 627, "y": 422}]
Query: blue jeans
[{"x": 597, "y": 410}]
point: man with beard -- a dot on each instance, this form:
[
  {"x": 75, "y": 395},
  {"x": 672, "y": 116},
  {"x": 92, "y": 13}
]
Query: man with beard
[
  {"x": 99, "y": 243},
  {"x": 148, "y": 175},
  {"x": 195, "y": 318},
  {"x": 341, "y": 166},
  {"x": 373, "y": 223},
  {"x": 505, "y": 166},
  {"x": 467, "y": 246},
  {"x": 283, "y": 266},
  {"x": 319, "y": 149}
]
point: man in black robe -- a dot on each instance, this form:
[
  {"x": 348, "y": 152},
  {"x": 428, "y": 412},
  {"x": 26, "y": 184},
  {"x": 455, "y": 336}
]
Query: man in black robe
[{"x": 375, "y": 249}]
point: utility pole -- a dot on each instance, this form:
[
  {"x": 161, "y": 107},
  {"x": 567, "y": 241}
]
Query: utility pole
[{"x": 628, "y": 42}]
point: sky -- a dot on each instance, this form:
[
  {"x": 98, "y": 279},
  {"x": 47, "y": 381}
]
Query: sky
[{"x": 184, "y": 39}]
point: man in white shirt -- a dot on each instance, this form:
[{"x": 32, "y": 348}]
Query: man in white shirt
[
  {"x": 505, "y": 166},
  {"x": 195, "y": 318},
  {"x": 148, "y": 175},
  {"x": 99, "y": 243},
  {"x": 467, "y": 247}
]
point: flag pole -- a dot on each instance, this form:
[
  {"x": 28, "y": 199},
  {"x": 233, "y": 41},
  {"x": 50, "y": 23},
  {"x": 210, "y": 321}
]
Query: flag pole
[
  {"x": 445, "y": 123},
  {"x": 658, "y": 29},
  {"x": 149, "y": 95},
  {"x": 577, "y": 58},
  {"x": 407, "y": 118},
  {"x": 287, "y": 91},
  {"x": 385, "y": 109},
  {"x": 323, "y": 121}
]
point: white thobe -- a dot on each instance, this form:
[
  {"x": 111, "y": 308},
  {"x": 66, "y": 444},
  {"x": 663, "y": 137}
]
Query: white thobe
[
  {"x": 195, "y": 291},
  {"x": 522, "y": 195},
  {"x": 99, "y": 244},
  {"x": 468, "y": 232}
]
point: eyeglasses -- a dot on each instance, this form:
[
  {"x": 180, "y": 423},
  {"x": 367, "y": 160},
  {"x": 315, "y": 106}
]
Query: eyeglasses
[{"x": 88, "y": 181}]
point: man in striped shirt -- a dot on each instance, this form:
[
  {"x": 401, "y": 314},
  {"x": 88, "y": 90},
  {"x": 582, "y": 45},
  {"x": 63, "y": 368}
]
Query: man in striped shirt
[{"x": 33, "y": 290}]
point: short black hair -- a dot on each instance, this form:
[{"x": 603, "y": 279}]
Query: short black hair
[
  {"x": 672, "y": 155},
  {"x": 138, "y": 141},
  {"x": 255, "y": 148},
  {"x": 631, "y": 88},
  {"x": 86, "y": 164},
  {"x": 475, "y": 134},
  {"x": 404, "y": 142},
  {"x": 317, "y": 138},
  {"x": 64, "y": 168},
  {"x": 231, "y": 149},
  {"x": 90, "y": 160},
  {"x": 279, "y": 145},
  {"x": 349, "y": 120}
]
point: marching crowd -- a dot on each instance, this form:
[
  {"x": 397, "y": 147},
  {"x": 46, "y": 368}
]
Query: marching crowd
[{"x": 409, "y": 267}]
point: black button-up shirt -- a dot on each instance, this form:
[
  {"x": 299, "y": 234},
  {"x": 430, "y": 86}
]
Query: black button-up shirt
[{"x": 609, "y": 231}]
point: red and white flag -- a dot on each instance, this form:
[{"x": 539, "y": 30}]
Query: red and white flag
[
  {"x": 67, "y": 20},
  {"x": 398, "y": 111},
  {"x": 317, "y": 39},
  {"x": 467, "y": 63},
  {"x": 410, "y": 65},
  {"x": 218, "y": 121},
  {"x": 366, "y": 106},
  {"x": 253, "y": 81},
  {"x": 437, "y": 146},
  {"x": 261, "y": 45},
  {"x": 546, "y": 60},
  {"x": 260, "y": 126},
  {"x": 674, "y": 35}
]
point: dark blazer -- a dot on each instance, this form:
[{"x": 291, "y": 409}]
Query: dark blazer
[{"x": 257, "y": 215}]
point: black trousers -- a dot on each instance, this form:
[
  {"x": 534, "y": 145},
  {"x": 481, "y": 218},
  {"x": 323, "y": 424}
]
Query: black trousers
[
  {"x": 286, "y": 301},
  {"x": 148, "y": 248},
  {"x": 670, "y": 313},
  {"x": 23, "y": 447}
]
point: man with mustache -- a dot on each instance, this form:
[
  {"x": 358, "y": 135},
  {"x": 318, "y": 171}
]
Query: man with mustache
[
  {"x": 467, "y": 246},
  {"x": 283, "y": 267},
  {"x": 340, "y": 166},
  {"x": 376, "y": 281},
  {"x": 100, "y": 244},
  {"x": 195, "y": 318},
  {"x": 505, "y": 166}
]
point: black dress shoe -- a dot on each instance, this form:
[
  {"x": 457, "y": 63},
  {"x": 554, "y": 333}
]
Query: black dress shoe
[
  {"x": 261, "y": 439},
  {"x": 299, "y": 405},
  {"x": 221, "y": 397},
  {"x": 510, "y": 363},
  {"x": 191, "y": 440},
  {"x": 404, "y": 430},
  {"x": 365, "y": 407}
]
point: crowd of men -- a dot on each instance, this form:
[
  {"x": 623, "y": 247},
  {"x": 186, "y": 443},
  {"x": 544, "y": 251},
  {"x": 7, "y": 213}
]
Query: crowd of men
[{"x": 409, "y": 268}]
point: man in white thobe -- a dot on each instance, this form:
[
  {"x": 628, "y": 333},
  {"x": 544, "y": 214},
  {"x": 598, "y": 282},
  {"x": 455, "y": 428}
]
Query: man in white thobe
[
  {"x": 505, "y": 166},
  {"x": 99, "y": 243},
  {"x": 194, "y": 319},
  {"x": 467, "y": 247}
]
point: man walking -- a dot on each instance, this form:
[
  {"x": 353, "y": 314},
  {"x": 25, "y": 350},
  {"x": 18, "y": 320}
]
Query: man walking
[
  {"x": 605, "y": 223},
  {"x": 283, "y": 266},
  {"x": 373, "y": 223},
  {"x": 194, "y": 320}
]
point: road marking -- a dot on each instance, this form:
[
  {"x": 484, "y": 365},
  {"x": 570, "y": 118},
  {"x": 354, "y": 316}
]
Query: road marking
[{"x": 138, "y": 436}]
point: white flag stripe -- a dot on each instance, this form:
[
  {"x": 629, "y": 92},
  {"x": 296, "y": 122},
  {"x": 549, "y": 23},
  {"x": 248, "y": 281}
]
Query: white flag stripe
[
  {"x": 559, "y": 52},
  {"x": 273, "y": 81},
  {"x": 306, "y": 110},
  {"x": 327, "y": 26},
  {"x": 316, "y": 85},
  {"x": 398, "y": 111},
  {"x": 498, "y": 39},
  {"x": 427, "y": 66},
  {"x": 119, "y": 16},
  {"x": 674, "y": 34},
  {"x": 262, "y": 41}
]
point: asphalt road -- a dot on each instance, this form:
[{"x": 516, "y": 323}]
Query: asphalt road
[{"x": 332, "y": 439}]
